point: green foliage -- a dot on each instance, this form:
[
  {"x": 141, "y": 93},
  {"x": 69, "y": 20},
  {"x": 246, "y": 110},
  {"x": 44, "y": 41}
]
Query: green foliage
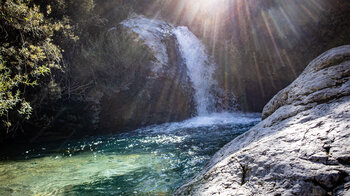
[
  {"x": 38, "y": 37},
  {"x": 28, "y": 57},
  {"x": 54, "y": 52}
]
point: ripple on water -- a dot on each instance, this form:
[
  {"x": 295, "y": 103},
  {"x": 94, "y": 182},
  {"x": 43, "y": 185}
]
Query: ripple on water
[{"x": 154, "y": 160}]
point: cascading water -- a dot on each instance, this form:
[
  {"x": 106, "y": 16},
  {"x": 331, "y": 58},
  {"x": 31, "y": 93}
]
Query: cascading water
[
  {"x": 200, "y": 69},
  {"x": 153, "y": 160}
]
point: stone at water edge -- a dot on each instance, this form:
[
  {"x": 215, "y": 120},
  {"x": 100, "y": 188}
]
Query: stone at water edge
[{"x": 300, "y": 148}]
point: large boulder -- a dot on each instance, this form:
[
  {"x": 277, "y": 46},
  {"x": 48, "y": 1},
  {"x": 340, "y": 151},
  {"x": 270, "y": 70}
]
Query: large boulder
[
  {"x": 161, "y": 94},
  {"x": 300, "y": 148},
  {"x": 124, "y": 82}
]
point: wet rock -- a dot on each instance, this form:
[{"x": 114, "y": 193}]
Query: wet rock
[
  {"x": 129, "y": 93},
  {"x": 301, "y": 146}
]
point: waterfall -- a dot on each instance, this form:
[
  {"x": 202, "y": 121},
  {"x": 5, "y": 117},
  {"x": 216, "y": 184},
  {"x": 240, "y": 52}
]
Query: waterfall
[
  {"x": 151, "y": 160},
  {"x": 200, "y": 68}
]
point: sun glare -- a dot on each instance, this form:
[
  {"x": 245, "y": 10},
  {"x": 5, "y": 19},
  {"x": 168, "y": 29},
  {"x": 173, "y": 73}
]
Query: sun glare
[{"x": 205, "y": 5}]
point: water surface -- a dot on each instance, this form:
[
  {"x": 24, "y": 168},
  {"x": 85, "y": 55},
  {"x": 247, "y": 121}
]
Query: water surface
[{"x": 154, "y": 160}]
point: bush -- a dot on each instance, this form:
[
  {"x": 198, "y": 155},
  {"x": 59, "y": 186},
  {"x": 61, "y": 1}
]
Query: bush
[
  {"x": 54, "y": 52},
  {"x": 28, "y": 59}
]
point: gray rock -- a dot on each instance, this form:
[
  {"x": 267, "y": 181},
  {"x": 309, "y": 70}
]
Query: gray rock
[
  {"x": 133, "y": 79},
  {"x": 300, "y": 148}
]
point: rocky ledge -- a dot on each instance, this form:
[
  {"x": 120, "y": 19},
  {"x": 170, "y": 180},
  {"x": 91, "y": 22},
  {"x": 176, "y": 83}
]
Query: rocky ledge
[{"x": 302, "y": 147}]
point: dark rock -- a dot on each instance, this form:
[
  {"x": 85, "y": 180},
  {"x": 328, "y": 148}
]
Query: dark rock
[{"x": 148, "y": 91}]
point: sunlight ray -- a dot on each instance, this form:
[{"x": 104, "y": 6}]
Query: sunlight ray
[{"x": 267, "y": 25}]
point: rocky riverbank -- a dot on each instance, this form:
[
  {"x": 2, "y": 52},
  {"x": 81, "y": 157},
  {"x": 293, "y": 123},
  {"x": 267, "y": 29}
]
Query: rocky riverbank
[{"x": 300, "y": 148}]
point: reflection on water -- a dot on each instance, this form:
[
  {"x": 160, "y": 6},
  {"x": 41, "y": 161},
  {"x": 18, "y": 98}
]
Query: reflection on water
[{"x": 150, "y": 161}]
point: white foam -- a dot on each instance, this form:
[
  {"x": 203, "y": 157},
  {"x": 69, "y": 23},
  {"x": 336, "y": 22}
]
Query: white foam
[{"x": 209, "y": 120}]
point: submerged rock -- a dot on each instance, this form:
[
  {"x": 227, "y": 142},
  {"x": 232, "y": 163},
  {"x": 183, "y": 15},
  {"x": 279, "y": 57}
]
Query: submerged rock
[{"x": 300, "y": 148}]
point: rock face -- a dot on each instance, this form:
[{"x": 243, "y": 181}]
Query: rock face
[
  {"x": 175, "y": 83},
  {"x": 156, "y": 91},
  {"x": 161, "y": 94},
  {"x": 300, "y": 148},
  {"x": 261, "y": 46}
]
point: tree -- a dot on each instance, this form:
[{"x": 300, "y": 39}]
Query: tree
[{"x": 28, "y": 60}]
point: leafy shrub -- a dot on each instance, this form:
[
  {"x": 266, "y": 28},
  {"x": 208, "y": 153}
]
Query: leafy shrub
[
  {"x": 54, "y": 52},
  {"x": 28, "y": 59}
]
